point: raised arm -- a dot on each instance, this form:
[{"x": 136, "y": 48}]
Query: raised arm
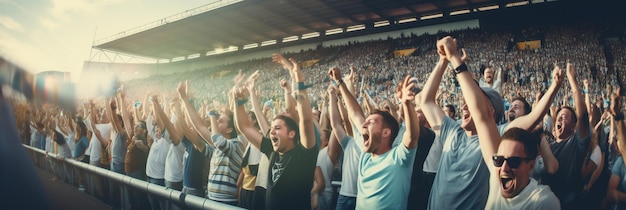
[
  {"x": 347, "y": 125},
  {"x": 185, "y": 127},
  {"x": 551, "y": 164},
  {"x": 290, "y": 102},
  {"x": 192, "y": 114},
  {"x": 618, "y": 118},
  {"x": 368, "y": 102},
  {"x": 581, "y": 109},
  {"x": 482, "y": 115},
  {"x": 350, "y": 80},
  {"x": 128, "y": 124},
  {"x": 435, "y": 114},
  {"x": 529, "y": 121},
  {"x": 175, "y": 134},
  {"x": 307, "y": 132},
  {"x": 116, "y": 123},
  {"x": 104, "y": 141},
  {"x": 256, "y": 103},
  {"x": 337, "y": 131},
  {"x": 355, "y": 112},
  {"x": 242, "y": 123},
  {"x": 407, "y": 96}
]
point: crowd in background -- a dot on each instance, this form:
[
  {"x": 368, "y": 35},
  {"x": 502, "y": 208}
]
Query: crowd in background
[{"x": 599, "y": 59}]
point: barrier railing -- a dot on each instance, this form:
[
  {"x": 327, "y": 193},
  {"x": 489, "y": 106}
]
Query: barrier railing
[{"x": 71, "y": 171}]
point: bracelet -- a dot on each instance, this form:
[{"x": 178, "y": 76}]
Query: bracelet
[
  {"x": 339, "y": 82},
  {"x": 585, "y": 91},
  {"x": 302, "y": 86},
  {"x": 242, "y": 101},
  {"x": 460, "y": 68},
  {"x": 212, "y": 113}
]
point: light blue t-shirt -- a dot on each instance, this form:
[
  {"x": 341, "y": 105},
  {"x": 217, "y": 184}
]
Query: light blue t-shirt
[
  {"x": 620, "y": 171},
  {"x": 462, "y": 181},
  {"x": 383, "y": 179}
]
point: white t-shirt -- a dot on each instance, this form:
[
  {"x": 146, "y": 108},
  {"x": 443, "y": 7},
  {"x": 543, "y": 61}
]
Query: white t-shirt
[
  {"x": 324, "y": 163},
  {"x": 262, "y": 175},
  {"x": 352, "y": 149},
  {"x": 95, "y": 147},
  {"x": 49, "y": 144},
  {"x": 533, "y": 196},
  {"x": 174, "y": 163},
  {"x": 596, "y": 155},
  {"x": 155, "y": 165}
]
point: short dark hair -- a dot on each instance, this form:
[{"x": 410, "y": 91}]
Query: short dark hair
[
  {"x": 231, "y": 123},
  {"x": 452, "y": 109},
  {"x": 291, "y": 126},
  {"x": 253, "y": 116},
  {"x": 574, "y": 117},
  {"x": 527, "y": 107},
  {"x": 528, "y": 139},
  {"x": 388, "y": 122}
]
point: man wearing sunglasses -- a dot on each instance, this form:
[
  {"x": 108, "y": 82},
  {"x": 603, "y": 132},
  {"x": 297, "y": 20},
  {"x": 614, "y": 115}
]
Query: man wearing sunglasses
[{"x": 510, "y": 185}]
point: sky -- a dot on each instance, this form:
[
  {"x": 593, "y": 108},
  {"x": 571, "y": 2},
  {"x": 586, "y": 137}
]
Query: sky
[{"x": 57, "y": 35}]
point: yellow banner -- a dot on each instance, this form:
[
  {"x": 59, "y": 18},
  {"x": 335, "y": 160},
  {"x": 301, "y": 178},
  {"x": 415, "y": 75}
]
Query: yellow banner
[
  {"x": 529, "y": 45},
  {"x": 310, "y": 63},
  {"x": 406, "y": 52}
]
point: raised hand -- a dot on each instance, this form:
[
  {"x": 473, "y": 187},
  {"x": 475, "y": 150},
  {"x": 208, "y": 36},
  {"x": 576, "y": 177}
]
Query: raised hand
[
  {"x": 280, "y": 59},
  {"x": 250, "y": 83},
  {"x": 351, "y": 76},
  {"x": 182, "y": 89},
  {"x": 464, "y": 57},
  {"x": 239, "y": 78},
  {"x": 334, "y": 73},
  {"x": 616, "y": 102},
  {"x": 447, "y": 46},
  {"x": 332, "y": 91},
  {"x": 571, "y": 70},
  {"x": 405, "y": 92},
  {"x": 557, "y": 74}
]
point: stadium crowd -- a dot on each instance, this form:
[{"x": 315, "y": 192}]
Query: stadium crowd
[{"x": 468, "y": 119}]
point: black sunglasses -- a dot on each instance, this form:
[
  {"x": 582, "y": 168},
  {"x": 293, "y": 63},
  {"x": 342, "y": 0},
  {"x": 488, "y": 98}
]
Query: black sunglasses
[{"x": 513, "y": 162}]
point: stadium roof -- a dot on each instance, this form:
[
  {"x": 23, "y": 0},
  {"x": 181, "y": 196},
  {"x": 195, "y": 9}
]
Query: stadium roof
[{"x": 245, "y": 24}]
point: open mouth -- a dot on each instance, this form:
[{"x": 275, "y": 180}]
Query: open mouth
[
  {"x": 366, "y": 137},
  {"x": 559, "y": 127},
  {"x": 274, "y": 140},
  {"x": 507, "y": 183},
  {"x": 511, "y": 116}
]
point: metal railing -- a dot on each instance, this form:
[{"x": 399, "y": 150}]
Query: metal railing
[{"x": 70, "y": 171}]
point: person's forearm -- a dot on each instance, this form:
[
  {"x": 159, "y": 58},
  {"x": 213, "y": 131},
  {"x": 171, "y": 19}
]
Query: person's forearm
[
  {"x": 596, "y": 173},
  {"x": 306, "y": 119},
  {"x": 260, "y": 115},
  {"x": 621, "y": 135},
  {"x": 432, "y": 84},
  {"x": 290, "y": 104},
  {"x": 410, "y": 137},
  {"x": 353, "y": 108},
  {"x": 550, "y": 162},
  {"x": 581, "y": 108},
  {"x": 535, "y": 117},
  {"x": 347, "y": 125},
  {"x": 128, "y": 125}
]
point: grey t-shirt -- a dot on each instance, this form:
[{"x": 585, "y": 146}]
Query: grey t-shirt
[{"x": 462, "y": 181}]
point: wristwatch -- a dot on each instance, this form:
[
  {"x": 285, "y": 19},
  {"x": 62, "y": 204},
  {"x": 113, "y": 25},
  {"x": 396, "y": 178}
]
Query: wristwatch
[{"x": 460, "y": 68}]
